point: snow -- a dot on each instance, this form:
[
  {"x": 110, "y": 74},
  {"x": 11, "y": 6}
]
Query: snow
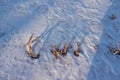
[{"x": 59, "y": 21}]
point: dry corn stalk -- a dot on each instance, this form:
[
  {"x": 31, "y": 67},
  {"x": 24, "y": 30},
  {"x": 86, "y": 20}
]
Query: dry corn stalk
[
  {"x": 112, "y": 17},
  {"x": 115, "y": 51},
  {"x": 29, "y": 48},
  {"x": 64, "y": 51},
  {"x": 56, "y": 53},
  {"x": 76, "y": 52}
]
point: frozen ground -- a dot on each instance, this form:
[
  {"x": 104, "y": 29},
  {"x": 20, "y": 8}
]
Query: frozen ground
[{"x": 58, "y": 22}]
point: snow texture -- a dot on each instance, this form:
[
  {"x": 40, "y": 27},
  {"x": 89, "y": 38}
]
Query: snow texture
[{"x": 95, "y": 24}]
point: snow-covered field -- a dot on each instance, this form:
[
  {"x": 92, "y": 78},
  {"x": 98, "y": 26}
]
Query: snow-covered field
[{"x": 95, "y": 24}]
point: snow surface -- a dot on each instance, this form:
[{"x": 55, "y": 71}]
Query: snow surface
[{"x": 59, "y": 22}]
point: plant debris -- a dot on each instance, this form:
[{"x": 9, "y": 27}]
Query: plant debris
[
  {"x": 115, "y": 51},
  {"x": 95, "y": 46},
  {"x": 64, "y": 51},
  {"x": 76, "y": 52},
  {"x": 112, "y": 17},
  {"x": 56, "y": 52},
  {"x": 29, "y": 48}
]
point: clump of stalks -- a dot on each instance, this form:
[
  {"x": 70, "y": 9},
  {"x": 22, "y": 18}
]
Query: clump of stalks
[{"x": 29, "y": 47}]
